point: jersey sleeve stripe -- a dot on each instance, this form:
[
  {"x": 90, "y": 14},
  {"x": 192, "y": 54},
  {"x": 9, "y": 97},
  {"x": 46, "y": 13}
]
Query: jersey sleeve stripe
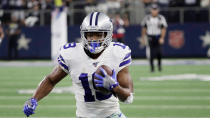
[
  {"x": 63, "y": 65},
  {"x": 125, "y": 62},
  {"x": 127, "y": 56},
  {"x": 61, "y": 58}
]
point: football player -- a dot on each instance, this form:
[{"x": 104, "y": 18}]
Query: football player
[{"x": 81, "y": 60}]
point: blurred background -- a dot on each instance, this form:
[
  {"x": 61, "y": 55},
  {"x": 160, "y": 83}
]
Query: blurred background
[
  {"x": 187, "y": 34},
  {"x": 181, "y": 90}
]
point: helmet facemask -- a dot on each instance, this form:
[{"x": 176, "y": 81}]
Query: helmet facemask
[{"x": 95, "y": 41}]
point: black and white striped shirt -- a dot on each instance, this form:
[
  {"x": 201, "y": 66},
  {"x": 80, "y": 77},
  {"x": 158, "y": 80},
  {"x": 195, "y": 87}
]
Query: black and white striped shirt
[{"x": 154, "y": 24}]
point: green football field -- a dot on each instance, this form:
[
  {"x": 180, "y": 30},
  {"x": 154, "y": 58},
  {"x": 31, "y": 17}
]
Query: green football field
[{"x": 183, "y": 97}]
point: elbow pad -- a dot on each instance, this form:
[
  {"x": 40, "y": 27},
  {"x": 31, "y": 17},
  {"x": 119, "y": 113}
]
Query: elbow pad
[{"x": 129, "y": 99}]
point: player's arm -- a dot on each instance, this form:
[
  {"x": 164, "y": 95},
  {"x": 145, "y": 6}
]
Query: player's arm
[
  {"x": 144, "y": 35},
  {"x": 1, "y": 32},
  {"x": 163, "y": 30},
  {"x": 163, "y": 34},
  {"x": 44, "y": 88},
  {"x": 124, "y": 90},
  {"x": 49, "y": 82},
  {"x": 144, "y": 28},
  {"x": 143, "y": 32}
]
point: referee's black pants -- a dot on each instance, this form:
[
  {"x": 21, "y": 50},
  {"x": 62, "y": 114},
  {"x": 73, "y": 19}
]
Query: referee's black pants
[
  {"x": 155, "y": 51},
  {"x": 12, "y": 47}
]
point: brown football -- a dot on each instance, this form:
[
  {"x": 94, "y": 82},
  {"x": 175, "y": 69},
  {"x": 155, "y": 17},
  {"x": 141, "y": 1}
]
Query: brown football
[{"x": 109, "y": 72}]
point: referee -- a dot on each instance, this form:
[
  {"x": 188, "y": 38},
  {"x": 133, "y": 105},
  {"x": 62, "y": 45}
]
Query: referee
[
  {"x": 1, "y": 32},
  {"x": 154, "y": 29}
]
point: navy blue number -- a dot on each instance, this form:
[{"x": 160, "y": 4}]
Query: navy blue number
[
  {"x": 88, "y": 94},
  {"x": 69, "y": 45},
  {"x": 120, "y": 44}
]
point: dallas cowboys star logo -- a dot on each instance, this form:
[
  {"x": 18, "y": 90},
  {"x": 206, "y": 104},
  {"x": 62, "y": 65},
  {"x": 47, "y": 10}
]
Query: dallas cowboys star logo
[
  {"x": 206, "y": 41},
  {"x": 23, "y": 42}
]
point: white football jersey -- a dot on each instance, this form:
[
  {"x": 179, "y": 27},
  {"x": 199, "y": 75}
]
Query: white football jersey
[{"x": 74, "y": 60}]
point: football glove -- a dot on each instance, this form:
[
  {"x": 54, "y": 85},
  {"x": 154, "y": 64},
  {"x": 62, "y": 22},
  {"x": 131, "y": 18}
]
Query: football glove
[
  {"x": 108, "y": 82},
  {"x": 30, "y": 107}
]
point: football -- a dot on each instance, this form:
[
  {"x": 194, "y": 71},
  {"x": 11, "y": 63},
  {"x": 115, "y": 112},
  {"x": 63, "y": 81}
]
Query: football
[{"x": 109, "y": 72}]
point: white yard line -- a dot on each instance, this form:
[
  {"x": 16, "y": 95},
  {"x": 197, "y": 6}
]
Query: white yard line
[
  {"x": 186, "y": 76},
  {"x": 166, "y": 117},
  {"x": 26, "y": 63},
  {"x": 33, "y": 117},
  {"x": 122, "y": 106},
  {"x": 138, "y": 83},
  {"x": 127, "y": 116},
  {"x": 134, "y": 62},
  {"x": 179, "y": 83},
  {"x": 171, "y": 97},
  {"x": 207, "y": 90},
  {"x": 58, "y": 97},
  {"x": 159, "y": 90},
  {"x": 175, "y": 62}
]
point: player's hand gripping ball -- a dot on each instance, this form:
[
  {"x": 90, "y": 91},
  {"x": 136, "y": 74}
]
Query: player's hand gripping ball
[{"x": 105, "y": 79}]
